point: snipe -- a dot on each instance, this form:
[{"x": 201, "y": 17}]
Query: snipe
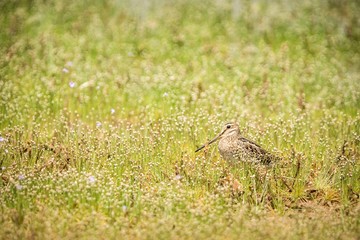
[{"x": 234, "y": 148}]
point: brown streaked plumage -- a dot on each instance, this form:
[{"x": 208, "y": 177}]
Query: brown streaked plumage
[{"x": 233, "y": 147}]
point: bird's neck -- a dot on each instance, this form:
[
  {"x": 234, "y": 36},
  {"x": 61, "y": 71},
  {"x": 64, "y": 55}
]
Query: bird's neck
[{"x": 232, "y": 135}]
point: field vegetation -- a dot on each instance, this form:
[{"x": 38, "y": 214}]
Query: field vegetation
[{"x": 103, "y": 103}]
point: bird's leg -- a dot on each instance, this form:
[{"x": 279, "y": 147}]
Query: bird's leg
[{"x": 265, "y": 185}]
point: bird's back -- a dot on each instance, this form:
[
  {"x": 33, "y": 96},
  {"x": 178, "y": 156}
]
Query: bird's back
[{"x": 242, "y": 149}]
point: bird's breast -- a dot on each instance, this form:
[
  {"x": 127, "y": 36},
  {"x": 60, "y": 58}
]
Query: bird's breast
[{"x": 229, "y": 149}]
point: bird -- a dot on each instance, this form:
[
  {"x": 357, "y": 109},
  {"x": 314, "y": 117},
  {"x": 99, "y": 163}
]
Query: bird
[{"x": 233, "y": 147}]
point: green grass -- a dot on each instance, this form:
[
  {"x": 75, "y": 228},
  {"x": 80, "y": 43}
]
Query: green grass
[{"x": 102, "y": 104}]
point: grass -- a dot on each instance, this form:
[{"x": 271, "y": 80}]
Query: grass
[{"x": 104, "y": 102}]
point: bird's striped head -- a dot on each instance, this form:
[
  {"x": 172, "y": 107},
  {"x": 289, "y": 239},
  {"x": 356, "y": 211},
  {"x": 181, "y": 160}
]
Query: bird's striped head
[{"x": 229, "y": 129}]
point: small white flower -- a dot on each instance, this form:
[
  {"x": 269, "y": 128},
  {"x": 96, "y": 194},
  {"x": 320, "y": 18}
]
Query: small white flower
[
  {"x": 98, "y": 124},
  {"x": 124, "y": 208},
  {"x": 178, "y": 177},
  {"x": 91, "y": 179},
  {"x": 65, "y": 70},
  {"x": 21, "y": 177},
  {"x": 2, "y": 139},
  {"x": 69, "y": 64},
  {"x": 72, "y": 84},
  {"x": 165, "y": 94},
  {"x": 18, "y": 186},
  {"x": 112, "y": 111}
]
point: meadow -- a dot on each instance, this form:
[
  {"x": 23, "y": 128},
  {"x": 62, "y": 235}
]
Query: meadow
[{"x": 103, "y": 104}]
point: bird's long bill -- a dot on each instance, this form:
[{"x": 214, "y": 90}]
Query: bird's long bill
[{"x": 210, "y": 142}]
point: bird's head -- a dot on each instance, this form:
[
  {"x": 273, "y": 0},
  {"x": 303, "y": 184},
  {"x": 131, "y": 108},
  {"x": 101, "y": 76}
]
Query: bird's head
[{"x": 229, "y": 129}]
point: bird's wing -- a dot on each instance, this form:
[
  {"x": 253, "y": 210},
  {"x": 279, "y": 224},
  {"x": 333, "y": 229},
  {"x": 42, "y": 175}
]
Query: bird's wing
[
  {"x": 254, "y": 150},
  {"x": 249, "y": 142}
]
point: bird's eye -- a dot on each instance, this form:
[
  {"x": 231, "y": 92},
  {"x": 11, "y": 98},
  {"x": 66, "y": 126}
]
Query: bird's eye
[{"x": 228, "y": 126}]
